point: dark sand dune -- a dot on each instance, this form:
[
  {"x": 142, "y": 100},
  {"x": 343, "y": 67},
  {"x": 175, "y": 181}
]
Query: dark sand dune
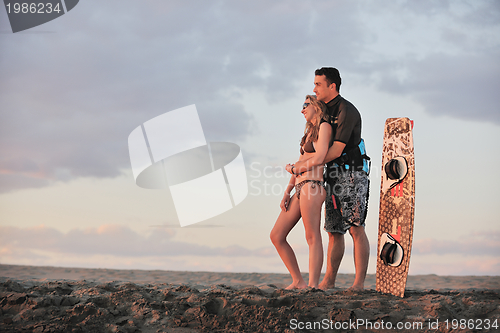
[{"x": 51, "y": 299}]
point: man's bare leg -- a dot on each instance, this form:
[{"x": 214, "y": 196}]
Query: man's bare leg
[
  {"x": 361, "y": 255},
  {"x": 336, "y": 247}
]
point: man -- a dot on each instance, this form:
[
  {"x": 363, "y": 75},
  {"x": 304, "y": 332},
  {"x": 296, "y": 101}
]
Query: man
[{"x": 346, "y": 178}]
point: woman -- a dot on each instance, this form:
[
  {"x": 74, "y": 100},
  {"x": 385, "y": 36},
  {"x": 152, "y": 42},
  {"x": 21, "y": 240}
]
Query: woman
[{"x": 308, "y": 198}]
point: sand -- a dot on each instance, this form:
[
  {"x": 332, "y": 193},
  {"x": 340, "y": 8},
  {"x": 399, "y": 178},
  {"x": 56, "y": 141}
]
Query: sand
[{"x": 54, "y": 299}]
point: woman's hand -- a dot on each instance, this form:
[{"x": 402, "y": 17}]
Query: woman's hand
[
  {"x": 285, "y": 202},
  {"x": 289, "y": 168}
]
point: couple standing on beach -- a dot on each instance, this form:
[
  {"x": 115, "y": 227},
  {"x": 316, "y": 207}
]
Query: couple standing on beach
[{"x": 333, "y": 137}]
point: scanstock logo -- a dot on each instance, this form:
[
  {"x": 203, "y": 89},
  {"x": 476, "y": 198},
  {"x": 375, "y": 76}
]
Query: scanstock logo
[
  {"x": 204, "y": 179},
  {"x": 26, "y": 14}
]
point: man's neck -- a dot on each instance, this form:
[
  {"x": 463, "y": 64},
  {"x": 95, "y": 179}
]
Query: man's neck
[{"x": 331, "y": 99}]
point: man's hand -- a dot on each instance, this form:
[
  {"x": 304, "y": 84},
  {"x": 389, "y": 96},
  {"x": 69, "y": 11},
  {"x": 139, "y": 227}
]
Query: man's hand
[{"x": 335, "y": 151}]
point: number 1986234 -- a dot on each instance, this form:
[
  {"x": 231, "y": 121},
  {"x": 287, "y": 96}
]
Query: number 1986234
[
  {"x": 33, "y": 8},
  {"x": 477, "y": 324}
]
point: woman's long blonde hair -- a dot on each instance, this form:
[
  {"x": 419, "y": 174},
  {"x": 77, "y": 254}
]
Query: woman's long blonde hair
[{"x": 311, "y": 129}]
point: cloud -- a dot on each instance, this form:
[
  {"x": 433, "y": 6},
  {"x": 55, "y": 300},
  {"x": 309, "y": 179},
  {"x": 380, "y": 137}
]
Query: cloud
[
  {"x": 443, "y": 55},
  {"x": 116, "y": 246},
  {"x": 113, "y": 240},
  {"x": 70, "y": 98},
  {"x": 459, "y": 86},
  {"x": 479, "y": 243},
  {"x": 457, "y": 266}
]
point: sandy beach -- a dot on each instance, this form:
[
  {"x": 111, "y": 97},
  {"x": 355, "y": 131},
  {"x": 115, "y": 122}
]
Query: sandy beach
[{"x": 56, "y": 299}]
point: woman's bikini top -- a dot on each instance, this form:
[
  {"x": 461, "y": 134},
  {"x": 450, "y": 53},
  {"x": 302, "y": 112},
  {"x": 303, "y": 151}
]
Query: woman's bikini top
[{"x": 308, "y": 147}]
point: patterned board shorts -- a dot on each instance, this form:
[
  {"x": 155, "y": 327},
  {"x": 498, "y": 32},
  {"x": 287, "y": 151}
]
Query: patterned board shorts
[{"x": 346, "y": 202}]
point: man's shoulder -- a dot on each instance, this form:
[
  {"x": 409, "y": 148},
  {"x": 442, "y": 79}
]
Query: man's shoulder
[
  {"x": 345, "y": 104},
  {"x": 347, "y": 110}
]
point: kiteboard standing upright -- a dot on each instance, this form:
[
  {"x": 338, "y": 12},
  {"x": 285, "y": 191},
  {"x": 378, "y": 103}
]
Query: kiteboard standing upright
[{"x": 397, "y": 207}]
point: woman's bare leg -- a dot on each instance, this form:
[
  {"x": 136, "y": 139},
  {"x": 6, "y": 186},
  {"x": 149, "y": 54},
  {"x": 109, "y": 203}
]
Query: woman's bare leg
[
  {"x": 284, "y": 224},
  {"x": 311, "y": 199}
]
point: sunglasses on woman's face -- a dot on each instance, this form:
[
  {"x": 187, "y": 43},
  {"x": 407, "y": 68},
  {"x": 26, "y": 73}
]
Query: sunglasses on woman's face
[{"x": 305, "y": 105}]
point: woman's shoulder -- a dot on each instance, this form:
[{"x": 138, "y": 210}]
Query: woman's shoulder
[{"x": 324, "y": 124}]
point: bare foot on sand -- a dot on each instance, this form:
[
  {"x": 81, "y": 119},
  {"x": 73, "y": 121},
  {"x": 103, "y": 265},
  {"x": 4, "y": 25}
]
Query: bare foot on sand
[
  {"x": 356, "y": 288},
  {"x": 295, "y": 285},
  {"x": 325, "y": 285}
]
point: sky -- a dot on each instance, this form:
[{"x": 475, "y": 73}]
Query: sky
[{"x": 73, "y": 89}]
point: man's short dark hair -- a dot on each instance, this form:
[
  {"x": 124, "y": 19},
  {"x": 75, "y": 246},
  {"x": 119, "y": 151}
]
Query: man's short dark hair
[{"x": 332, "y": 76}]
